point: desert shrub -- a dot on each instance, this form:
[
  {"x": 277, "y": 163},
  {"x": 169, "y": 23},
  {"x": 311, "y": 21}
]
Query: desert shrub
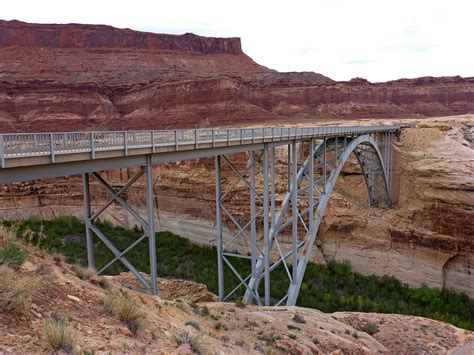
[
  {"x": 370, "y": 328},
  {"x": 220, "y": 325},
  {"x": 193, "y": 324},
  {"x": 59, "y": 334},
  {"x": 239, "y": 303},
  {"x": 196, "y": 346},
  {"x": 122, "y": 306},
  {"x": 104, "y": 283},
  {"x": 11, "y": 255},
  {"x": 16, "y": 293},
  {"x": 298, "y": 319},
  {"x": 84, "y": 273}
]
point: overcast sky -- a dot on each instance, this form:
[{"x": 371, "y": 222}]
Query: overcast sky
[{"x": 375, "y": 39}]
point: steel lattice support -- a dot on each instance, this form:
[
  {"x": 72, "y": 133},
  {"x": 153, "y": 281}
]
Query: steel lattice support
[
  {"x": 313, "y": 169},
  {"x": 147, "y": 224}
]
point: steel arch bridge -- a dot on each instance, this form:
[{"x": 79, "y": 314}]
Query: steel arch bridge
[
  {"x": 313, "y": 170},
  {"x": 314, "y": 157}
]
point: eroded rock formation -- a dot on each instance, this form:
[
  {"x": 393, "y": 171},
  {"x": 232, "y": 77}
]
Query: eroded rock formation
[{"x": 82, "y": 77}]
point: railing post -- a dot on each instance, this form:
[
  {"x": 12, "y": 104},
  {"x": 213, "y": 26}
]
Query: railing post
[
  {"x": 195, "y": 139},
  {"x": 2, "y": 151},
  {"x": 92, "y": 145},
  {"x": 241, "y": 136},
  {"x": 152, "y": 141},
  {"x": 253, "y": 135},
  {"x": 228, "y": 138},
  {"x": 51, "y": 146},
  {"x": 175, "y": 139},
  {"x": 125, "y": 142},
  {"x": 213, "y": 138}
]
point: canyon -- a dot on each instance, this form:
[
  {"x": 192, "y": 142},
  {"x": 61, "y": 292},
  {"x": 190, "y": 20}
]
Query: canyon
[{"x": 84, "y": 77}]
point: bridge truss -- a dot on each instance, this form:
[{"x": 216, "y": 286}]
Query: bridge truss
[
  {"x": 266, "y": 234},
  {"x": 313, "y": 169}
]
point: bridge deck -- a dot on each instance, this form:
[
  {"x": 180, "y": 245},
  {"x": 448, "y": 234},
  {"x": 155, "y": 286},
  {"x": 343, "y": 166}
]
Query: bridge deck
[{"x": 28, "y": 156}]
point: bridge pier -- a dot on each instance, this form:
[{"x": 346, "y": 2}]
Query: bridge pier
[{"x": 93, "y": 229}]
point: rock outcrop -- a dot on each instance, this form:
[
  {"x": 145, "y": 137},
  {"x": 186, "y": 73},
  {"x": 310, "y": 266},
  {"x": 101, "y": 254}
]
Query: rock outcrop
[
  {"x": 174, "y": 325},
  {"x": 82, "y": 77}
]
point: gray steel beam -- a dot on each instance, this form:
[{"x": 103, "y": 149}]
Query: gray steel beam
[
  {"x": 253, "y": 213},
  {"x": 266, "y": 230},
  {"x": 87, "y": 219},
  {"x": 220, "y": 265},
  {"x": 150, "y": 203}
]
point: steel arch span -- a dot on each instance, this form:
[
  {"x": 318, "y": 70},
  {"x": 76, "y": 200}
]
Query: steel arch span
[{"x": 313, "y": 170}]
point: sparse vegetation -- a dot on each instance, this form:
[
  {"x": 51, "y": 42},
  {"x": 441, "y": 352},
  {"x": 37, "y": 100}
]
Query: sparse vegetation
[
  {"x": 221, "y": 325},
  {"x": 251, "y": 324},
  {"x": 328, "y": 288},
  {"x": 125, "y": 309},
  {"x": 292, "y": 327},
  {"x": 59, "y": 334},
  {"x": 239, "y": 303},
  {"x": 16, "y": 292},
  {"x": 193, "y": 324},
  {"x": 370, "y": 328},
  {"x": 240, "y": 343},
  {"x": 84, "y": 273},
  {"x": 292, "y": 336},
  {"x": 11, "y": 255},
  {"x": 204, "y": 311},
  {"x": 194, "y": 342},
  {"x": 298, "y": 319}
]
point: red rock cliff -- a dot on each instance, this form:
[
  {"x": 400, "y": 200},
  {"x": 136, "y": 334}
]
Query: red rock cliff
[
  {"x": 81, "y": 77},
  {"x": 16, "y": 33}
]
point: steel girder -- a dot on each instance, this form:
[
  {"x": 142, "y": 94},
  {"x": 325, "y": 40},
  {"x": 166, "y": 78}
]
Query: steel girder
[
  {"x": 147, "y": 224},
  {"x": 312, "y": 175}
]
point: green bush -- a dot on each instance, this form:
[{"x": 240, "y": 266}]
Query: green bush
[{"x": 11, "y": 256}]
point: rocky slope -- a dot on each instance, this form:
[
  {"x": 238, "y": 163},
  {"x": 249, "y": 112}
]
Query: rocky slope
[
  {"x": 81, "y": 77},
  {"x": 176, "y": 325}
]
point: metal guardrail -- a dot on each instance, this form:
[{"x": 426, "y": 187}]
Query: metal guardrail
[{"x": 21, "y": 145}]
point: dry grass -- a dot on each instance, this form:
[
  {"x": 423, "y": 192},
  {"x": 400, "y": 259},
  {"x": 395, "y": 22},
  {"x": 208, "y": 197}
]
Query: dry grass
[
  {"x": 59, "y": 334},
  {"x": 122, "y": 306},
  {"x": 10, "y": 254},
  {"x": 16, "y": 292},
  {"x": 84, "y": 273}
]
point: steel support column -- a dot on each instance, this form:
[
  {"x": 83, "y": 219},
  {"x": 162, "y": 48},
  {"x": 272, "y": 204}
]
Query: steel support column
[
  {"x": 266, "y": 229},
  {"x": 220, "y": 264},
  {"x": 87, "y": 219},
  {"x": 148, "y": 225}
]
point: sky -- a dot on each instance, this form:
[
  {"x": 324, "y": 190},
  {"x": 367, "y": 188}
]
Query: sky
[{"x": 378, "y": 40}]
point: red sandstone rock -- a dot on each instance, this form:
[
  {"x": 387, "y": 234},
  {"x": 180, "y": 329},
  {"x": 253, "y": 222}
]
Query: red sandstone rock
[{"x": 78, "y": 77}]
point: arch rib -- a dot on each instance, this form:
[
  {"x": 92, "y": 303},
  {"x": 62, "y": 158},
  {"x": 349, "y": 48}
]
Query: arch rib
[{"x": 295, "y": 286}]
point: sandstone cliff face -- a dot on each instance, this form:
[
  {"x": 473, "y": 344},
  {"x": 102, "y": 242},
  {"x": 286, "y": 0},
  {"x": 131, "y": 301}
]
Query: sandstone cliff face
[{"x": 82, "y": 77}]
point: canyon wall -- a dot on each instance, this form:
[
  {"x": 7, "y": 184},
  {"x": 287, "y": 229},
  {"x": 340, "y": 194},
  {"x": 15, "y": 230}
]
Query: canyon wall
[{"x": 84, "y": 77}]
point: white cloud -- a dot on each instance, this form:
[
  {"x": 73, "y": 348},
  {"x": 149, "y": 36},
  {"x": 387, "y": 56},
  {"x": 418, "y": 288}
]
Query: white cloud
[{"x": 375, "y": 39}]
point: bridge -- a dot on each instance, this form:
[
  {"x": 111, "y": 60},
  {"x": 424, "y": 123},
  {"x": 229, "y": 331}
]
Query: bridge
[{"x": 314, "y": 157}]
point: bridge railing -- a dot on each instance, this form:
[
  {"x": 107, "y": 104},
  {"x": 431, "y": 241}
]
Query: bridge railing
[{"x": 39, "y": 144}]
